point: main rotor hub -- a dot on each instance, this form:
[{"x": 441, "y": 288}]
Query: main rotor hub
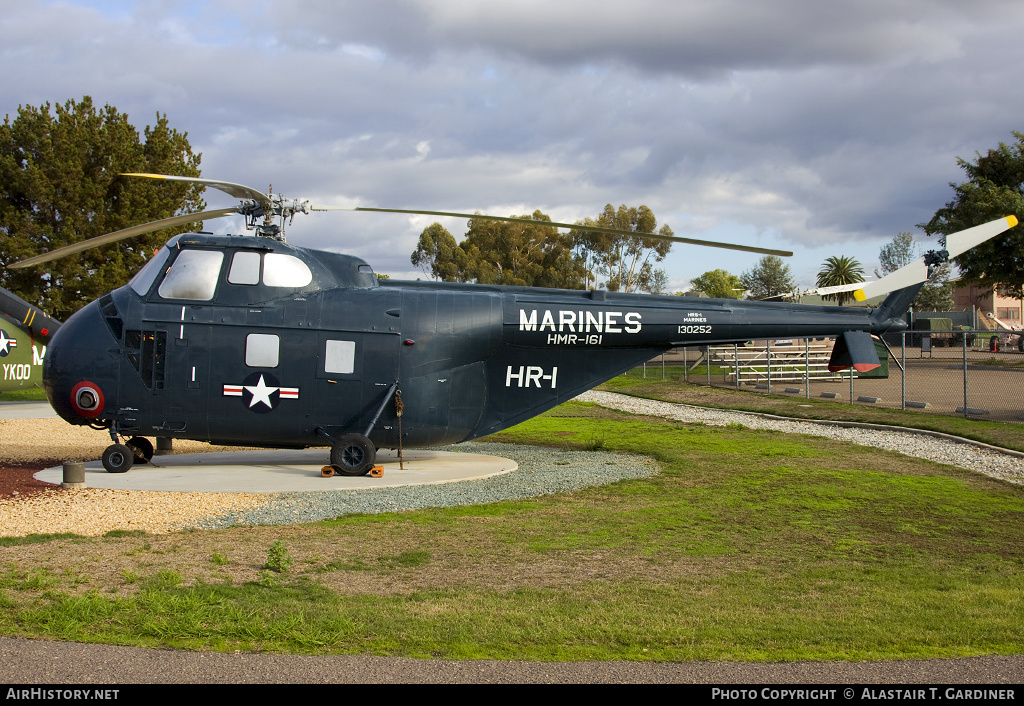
[
  {"x": 277, "y": 206},
  {"x": 935, "y": 259}
]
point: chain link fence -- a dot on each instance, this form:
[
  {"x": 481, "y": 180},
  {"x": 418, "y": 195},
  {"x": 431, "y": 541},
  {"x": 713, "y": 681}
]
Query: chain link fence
[{"x": 971, "y": 373}]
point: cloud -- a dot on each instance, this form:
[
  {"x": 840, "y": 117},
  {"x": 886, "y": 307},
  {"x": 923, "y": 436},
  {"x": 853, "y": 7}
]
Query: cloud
[
  {"x": 678, "y": 37},
  {"x": 809, "y": 126}
]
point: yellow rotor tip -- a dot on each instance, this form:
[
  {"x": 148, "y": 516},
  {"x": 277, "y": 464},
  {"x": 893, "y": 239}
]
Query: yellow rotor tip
[
  {"x": 1012, "y": 220},
  {"x": 859, "y": 295}
]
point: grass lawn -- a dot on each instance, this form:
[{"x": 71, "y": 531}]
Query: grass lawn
[
  {"x": 29, "y": 394},
  {"x": 748, "y": 545},
  {"x": 673, "y": 389}
]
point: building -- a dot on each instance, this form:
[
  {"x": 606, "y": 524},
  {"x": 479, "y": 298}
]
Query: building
[{"x": 1007, "y": 309}]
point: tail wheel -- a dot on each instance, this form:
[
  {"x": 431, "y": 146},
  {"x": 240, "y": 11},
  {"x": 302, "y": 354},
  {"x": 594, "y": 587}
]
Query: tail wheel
[
  {"x": 142, "y": 449},
  {"x": 117, "y": 458},
  {"x": 353, "y": 455}
]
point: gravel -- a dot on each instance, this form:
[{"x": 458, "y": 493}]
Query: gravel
[
  {"x": 965, "y": 454},
  {"x": 541, "y": 471},
  {"x": 95, "y": 511}
]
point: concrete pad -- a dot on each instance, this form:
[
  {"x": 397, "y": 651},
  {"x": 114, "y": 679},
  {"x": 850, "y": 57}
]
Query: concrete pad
[
  {"x": 282, "y": 471},
  {"x": 26, "y": 410}
]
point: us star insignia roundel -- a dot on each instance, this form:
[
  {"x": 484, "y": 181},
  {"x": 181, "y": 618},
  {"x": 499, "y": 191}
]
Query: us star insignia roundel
[
  {"x": 6, "y": 344},
  {"x": 261, "y": 392}
]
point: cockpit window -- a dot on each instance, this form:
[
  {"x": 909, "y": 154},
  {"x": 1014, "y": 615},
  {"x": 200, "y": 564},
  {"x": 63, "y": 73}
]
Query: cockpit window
[
  {"x": 193, "y": 275},
  {"x": 245, "y": 268},
  {"x": 145, "y": 277},
  {"x": 282, "y": 270}
]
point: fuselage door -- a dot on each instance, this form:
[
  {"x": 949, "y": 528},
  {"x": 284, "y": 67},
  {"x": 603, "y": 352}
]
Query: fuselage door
[{"x": 356, "y": 372}]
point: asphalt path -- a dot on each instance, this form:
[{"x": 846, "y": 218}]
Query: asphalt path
[
  {"x": 26, "y": 410},
  {"x": 46, "y": 662}
]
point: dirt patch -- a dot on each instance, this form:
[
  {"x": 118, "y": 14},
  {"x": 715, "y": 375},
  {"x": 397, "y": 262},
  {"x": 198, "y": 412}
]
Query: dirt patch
[
  {"x": 17, "y": 481},
  {"x": 30, "y": 506}
]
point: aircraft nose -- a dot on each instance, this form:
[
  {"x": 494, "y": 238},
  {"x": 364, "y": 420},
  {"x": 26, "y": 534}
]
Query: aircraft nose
[{"x": 80, "y": 368}]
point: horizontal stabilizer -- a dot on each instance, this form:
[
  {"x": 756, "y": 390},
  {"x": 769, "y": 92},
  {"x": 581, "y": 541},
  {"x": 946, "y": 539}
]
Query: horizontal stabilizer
[{"x": 854, "y": 349}]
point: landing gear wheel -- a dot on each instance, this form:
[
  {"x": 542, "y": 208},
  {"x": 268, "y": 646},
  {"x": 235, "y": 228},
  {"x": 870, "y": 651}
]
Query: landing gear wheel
[
  {"x": 117, "y": 458},
  {"x": 142, "y": 449},
  {"x": 353, "y": 455}
]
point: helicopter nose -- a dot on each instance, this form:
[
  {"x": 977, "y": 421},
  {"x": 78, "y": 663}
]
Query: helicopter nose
[{"x": 80, "y": 368}]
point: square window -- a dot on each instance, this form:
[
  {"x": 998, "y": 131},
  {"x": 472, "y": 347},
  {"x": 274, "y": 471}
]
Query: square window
[
  {"x": 341, "y": 357},
  {"x": 245, "y": 268},
  {"x": 262, "y": 350}
]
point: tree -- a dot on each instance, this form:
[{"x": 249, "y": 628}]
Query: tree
[
  {"x": 899, "y": 253},
  {"x": 769, "y": 278},
  {"x": 536, "y": 254},
  {"x": 840, "y": 270},
  {"x": 995, "y": 188},
  {"x": 718, "y": 284},
  {"x": 659, "y": 282},
  {"x": 438, "y": 255},
  {"x": 520, "y": 254},
  {"x": 626, "y": 260},
  {"x": 60, "y": 184},
  {"x": 524, "y": 254}
]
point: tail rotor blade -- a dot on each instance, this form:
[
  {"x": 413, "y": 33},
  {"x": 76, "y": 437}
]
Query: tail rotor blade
[
  {"x": 906, "y": 276},
  {"x": 960, "y": 242},
  {"x": 917, "y": 271}
]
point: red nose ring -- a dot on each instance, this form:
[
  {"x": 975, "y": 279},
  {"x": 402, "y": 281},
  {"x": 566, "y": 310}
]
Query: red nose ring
[{"x": 87, "y": 399}]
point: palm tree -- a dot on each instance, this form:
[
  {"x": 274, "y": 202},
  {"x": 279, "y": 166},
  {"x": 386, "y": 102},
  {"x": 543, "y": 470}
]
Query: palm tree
[{"x": 840, "y": 270}]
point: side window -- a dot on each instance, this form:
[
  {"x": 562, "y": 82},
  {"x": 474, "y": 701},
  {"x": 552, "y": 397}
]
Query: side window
[
  {"x": 245, "y": 268},
  {"x": 282, "y": 270},
  {"x": 193, "y": 275},
  {"x": 340, "y": 357},
  {"x": 262, "y": 350}
]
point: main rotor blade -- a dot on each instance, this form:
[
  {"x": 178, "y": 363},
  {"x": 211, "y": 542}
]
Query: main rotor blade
[
  {"x": 239, "y": 191},
  {"x": 917, "y": 271},
  {"x": 122, "y": 235},
  {"x": 571, "y": 226},
  {"x": 821, "y": 291}
]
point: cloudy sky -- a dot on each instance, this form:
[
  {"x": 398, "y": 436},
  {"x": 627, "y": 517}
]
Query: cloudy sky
[{"x": 820, "y": 127}]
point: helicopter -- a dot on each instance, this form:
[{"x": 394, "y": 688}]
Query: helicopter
[
  {"x": 249, "y": 340},
  {"x": 25, "y": 332}
]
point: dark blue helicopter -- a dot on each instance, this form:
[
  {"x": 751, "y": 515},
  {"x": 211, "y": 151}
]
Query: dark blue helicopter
[{"x": 244, "y": 340}]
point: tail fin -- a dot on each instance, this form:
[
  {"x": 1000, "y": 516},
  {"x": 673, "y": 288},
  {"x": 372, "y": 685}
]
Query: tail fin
[{"x": 893, "y": 308}]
